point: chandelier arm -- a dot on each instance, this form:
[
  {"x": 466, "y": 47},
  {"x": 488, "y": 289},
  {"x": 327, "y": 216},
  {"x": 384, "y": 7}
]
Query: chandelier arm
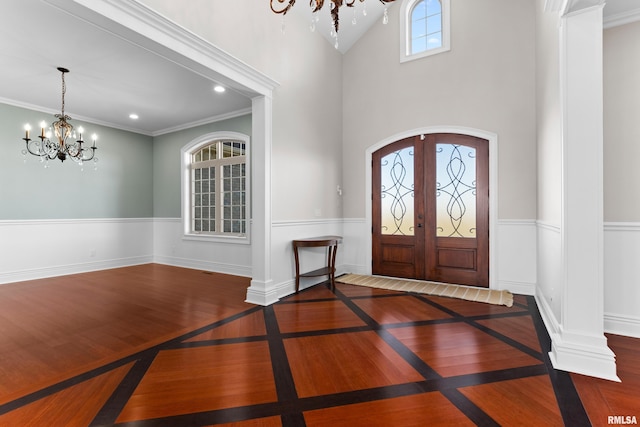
[
  {"x": 335, "y": 14},
  {"x": 45, "y": 148},
  {"x": 39, "y": 153},
  {"x": 91, "y": 155},
  {"x": 78, "y": 153},
  {"x": 285, "y": 9},
  {"x": 81, "y": 157},
  {"x": 318, "y": 5}
]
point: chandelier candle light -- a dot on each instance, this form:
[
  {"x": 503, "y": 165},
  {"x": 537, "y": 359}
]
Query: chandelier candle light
[
  {"x": 316, "y": 5},
  {"x": 48, "y": 149}
]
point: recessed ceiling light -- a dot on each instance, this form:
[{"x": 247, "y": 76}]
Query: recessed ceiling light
[
  {"x": 133, "y": 116},
  {"x": 219, "y": 89}
]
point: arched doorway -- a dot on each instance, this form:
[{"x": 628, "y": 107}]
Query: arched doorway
[{"x": 430, "y": 209}]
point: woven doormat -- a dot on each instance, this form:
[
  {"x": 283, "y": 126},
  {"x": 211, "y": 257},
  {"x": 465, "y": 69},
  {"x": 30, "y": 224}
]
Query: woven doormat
[{"x": 469, "y": 293}]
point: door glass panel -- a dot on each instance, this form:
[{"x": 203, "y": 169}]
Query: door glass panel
[
  {"x": 396, "y": 177},
  {"x": 455, "y": 191}
]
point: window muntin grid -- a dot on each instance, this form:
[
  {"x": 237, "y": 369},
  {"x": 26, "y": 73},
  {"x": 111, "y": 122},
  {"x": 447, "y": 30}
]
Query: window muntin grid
[
  {"x": 426, "y": 26},
  {"x": 218, "y": 188}
]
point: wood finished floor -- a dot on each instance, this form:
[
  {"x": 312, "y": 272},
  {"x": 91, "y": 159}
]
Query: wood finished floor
[{"x": 155, "y": 345}]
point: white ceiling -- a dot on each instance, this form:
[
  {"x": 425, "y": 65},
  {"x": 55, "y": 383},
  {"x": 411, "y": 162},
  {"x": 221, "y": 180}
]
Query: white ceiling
[{"x": 111, "y": 77}]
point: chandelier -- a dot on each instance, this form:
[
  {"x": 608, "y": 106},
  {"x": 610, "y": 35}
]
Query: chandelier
[
  {"x": 61, "y": 147},
  {"x": 316, "y": 5}
]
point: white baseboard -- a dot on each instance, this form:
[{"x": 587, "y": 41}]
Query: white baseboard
[
  {"x": 622, "y": 325},
  {"x": 520, "y": 288},
  {"x": 224, "y": 268},
  {"x": 63, "y": 270},
  {"x": 262, "y": 293},
  {"x": 587, "y": 355},
  {"x": 593, "y": 359},
  {"x": 546, "y": 313}
]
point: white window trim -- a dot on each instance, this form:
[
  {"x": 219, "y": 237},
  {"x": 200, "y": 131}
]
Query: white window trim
[
  {"x": 405, "y": 31},
  {"x": 185, "y": 185}
]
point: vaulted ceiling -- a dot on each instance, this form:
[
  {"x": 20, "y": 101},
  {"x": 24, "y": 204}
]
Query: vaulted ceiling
[{"x": 111, "y": 78}]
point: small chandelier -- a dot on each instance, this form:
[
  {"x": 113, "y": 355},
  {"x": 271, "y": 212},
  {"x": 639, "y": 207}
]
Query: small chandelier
[
  {"x": 316, "y": 5},
  {"x": 49, "y": 149}
]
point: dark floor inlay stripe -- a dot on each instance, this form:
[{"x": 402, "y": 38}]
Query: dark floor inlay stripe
[
  {"x": 507, "y": 340},
  {"x": 214, "y": 342},
  {"x": 285, "y": 386},
  {"x": 409, "y": 356},
  {"x": 573, "y": 412},
  {"x": 110, "y": 411},
  {"x": 470, "y": 409},
  {"x": 479, "y": 378},
  {"x": 211, "y": 326}
]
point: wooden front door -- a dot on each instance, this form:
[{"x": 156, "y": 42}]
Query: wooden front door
[{"x": 431, "y": 209}]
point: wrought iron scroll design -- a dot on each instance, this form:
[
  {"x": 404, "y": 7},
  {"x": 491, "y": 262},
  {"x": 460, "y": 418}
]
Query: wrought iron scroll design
[
  {"x": 457, "y": 189},
  {"x": 398, "y": 191}
]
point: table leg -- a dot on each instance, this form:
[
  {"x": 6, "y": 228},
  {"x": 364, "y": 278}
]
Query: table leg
[{"x": 295, "y": 254}]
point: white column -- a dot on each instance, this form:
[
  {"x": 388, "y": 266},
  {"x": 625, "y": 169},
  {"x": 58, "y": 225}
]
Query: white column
[
  {"x": 580, "y": 345},
  {"x": 262, "y": 290}
]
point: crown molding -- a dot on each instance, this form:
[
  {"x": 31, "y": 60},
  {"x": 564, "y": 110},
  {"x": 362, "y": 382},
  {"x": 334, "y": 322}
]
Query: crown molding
[
  {"x": 554, "y": 5},
  {"x": 565, "y": 7},
  {"x": 622, "y": 18},
  {"x": 148, "y": 29}
]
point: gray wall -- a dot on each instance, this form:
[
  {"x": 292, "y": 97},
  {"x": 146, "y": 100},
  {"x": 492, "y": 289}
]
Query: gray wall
[
  {"x": 486, "y": 82},
  {"x": 621, "y": 124},
  {"x": 549, "y": 116},
  {"x": 166, "y": 160},
  {"x": 122, "y": 187}
]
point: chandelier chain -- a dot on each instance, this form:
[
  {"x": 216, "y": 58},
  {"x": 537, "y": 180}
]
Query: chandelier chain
[{"x": 64, "y": 90}]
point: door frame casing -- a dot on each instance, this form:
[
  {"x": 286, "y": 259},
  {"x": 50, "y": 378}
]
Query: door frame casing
[{"x": 493, "y": 187}]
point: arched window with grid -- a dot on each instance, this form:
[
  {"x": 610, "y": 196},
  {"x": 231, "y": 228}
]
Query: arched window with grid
[
  {"x": 425, "y": 28},
  {"x": 216, "y": 186}
]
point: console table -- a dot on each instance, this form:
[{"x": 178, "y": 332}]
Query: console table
[{"x": 331, "y": 242}]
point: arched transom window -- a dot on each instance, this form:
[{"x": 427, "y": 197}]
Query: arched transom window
[{"x": 425, "y": 28}]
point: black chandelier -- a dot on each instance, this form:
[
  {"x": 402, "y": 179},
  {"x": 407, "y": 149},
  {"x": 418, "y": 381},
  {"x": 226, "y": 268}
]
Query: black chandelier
[
  {"x": 316, "y": 5},
  {"x": 48, "y": 149}
]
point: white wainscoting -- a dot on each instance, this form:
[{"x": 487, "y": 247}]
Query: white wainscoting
[
  {"x": 170, "y": 248},
  {"x": 622, "y": 278},
  {"x": 35, "y": 249},
  {"x": 357, "y": 249},
  {"x": 283, "y": 265},
  {"x": 516, "y": 256},
  {"x": 549, "y": 275},
  {"x": 528, "y": 256}
]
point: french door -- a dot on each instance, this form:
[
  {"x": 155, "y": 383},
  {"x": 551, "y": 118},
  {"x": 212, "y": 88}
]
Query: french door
[{"x": 431, "y": 209}]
